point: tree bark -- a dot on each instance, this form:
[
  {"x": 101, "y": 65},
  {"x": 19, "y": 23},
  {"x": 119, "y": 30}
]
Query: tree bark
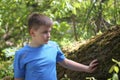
[{"x": 103, "y": 47}]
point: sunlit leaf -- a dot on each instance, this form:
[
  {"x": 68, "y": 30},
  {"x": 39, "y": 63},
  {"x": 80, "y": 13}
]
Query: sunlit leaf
[
  {"x": 116, "y": 69},
  {"x": 111, "y": 69},
  {"x": 117, "y": 62},
  {"x": 115, "y": 77}
]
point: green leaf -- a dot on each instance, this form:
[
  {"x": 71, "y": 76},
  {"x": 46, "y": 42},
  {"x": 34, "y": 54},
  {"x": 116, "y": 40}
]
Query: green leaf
[
  {"x": 115, "y": 77},
  {"x": 116, "y": 69},
  {"x": 111, "y": 69},
  {"x": 109, "y": 79},
  {"x": 69, "y": 6},
  {"x": 114, "y": 60},
  {"x": 117, "y": 62},
  {"x": 76, "y": 4},
  {"x": 74, "y": 11}
]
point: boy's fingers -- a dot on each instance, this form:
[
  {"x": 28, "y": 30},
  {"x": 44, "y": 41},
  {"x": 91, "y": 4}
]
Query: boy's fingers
[
  {"x": 93, "y": 69},
  {"x": 94, "y": 65},
  {"x": 95, "y": 61}
]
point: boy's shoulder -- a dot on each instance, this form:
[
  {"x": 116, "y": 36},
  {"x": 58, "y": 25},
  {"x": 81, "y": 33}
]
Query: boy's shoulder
[
  {"x": 25, "y": 49},
  {"x": 20, "y": 51},
  {"x": 52, "y": 43}
]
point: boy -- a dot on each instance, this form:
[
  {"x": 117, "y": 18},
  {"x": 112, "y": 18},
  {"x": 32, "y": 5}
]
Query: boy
[{"x": 37, "y": 60}]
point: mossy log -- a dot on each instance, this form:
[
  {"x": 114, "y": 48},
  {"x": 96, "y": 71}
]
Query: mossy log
[{"x": 103, "y": 47}]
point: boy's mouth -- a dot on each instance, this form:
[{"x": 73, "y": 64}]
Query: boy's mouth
[{"x": 47, "y": 40}]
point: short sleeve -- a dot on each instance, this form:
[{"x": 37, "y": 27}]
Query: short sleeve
[
  {"x": 60, "y": 55},
  {"x": 19, "y": 71}
]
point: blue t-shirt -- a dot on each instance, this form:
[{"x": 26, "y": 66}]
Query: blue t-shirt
[{"x": 38, "y": 63}]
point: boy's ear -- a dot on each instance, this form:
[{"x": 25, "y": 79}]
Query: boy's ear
[{"x": 32, "y": 33}]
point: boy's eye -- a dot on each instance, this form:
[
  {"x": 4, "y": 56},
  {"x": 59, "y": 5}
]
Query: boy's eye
[{"x": 45, "y": 32}]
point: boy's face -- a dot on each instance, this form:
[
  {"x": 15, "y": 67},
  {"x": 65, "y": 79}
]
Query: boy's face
[{"x": 41, "y": 35}]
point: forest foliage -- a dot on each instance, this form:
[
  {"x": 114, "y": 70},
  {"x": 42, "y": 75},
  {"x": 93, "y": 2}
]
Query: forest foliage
[{"x": 74, "y": 20}]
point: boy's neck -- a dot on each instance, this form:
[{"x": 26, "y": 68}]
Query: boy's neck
[{"x": 34, "y": 44}]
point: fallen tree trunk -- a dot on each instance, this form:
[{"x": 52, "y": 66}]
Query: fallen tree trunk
[{"x": 103, "y": 47}]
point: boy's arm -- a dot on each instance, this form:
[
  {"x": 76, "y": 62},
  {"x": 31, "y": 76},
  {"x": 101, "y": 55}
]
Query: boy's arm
[{"x": 79, "y": 67}]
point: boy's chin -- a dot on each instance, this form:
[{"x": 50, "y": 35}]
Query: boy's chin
[{"x": 46, "y": 42}]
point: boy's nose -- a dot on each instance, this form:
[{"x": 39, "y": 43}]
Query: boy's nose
[{"x": 48, "y": 35}]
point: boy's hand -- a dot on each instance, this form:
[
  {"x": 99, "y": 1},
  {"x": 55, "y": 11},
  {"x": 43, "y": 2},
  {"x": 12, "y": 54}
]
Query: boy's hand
[{"x": 92, "y": 66}]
